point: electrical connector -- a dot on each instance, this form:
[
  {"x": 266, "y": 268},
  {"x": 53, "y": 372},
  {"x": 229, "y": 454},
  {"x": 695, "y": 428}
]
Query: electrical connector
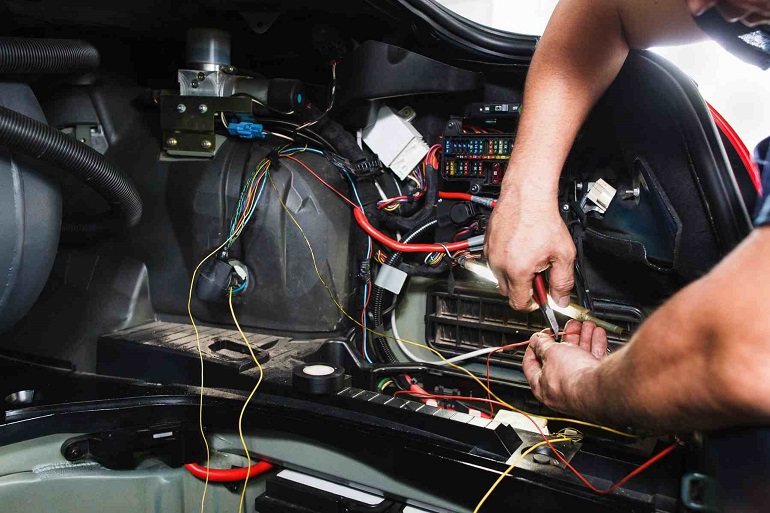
[
  {"x": 396, "y": 142},
  {"x": 601, "y": 194},
  {"x": 245, "y": 130}
]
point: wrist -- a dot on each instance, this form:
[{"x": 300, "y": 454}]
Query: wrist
[
  {"x": 583, "y": 392},
  {"x": 523, "y": 185}
]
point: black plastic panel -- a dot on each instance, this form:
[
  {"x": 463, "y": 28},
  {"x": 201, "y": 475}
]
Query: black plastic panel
[{"x": 379, "y": 70}]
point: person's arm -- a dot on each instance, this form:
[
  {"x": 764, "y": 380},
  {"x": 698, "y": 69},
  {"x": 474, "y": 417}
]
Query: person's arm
[
  {"x": 579, "y": 55},
  {"x": 701, "y": 361}
]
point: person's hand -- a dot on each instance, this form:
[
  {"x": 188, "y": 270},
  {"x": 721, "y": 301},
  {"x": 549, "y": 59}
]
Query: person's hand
[
  {"x": 554, "y": 369},
  {"x": 526, "y": 236},
  {"x": 750, "y": 12}
]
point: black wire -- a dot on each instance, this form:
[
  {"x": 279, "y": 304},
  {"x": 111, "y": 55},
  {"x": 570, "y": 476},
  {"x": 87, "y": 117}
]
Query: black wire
[
  {"x": 305, "y": 133},
  {"x": 262, "y": 104}
]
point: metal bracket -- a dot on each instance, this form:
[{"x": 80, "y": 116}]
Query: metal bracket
[
  {"x": 188, "y": 122},
  {"x": 174, "y": 444}
]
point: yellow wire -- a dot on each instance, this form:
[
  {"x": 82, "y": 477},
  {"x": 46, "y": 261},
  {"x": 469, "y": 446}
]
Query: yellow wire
[
  {"x": 513, "y": 465},
  {"x": 248, "y": 400},
  {"x": 462, "y": 369},
  {"x": 200, "y": 357}
]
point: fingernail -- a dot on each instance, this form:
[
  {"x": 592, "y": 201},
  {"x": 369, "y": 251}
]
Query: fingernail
[{"x": 564, "y": 301}]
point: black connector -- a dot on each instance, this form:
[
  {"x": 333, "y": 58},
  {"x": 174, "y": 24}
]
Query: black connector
[{"x": 214, "y": 280}]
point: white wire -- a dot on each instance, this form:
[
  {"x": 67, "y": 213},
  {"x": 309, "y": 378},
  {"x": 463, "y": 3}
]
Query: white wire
[
  {"x": 382, "y": 194},
  {"x": 360, "y": 138},
  {"x": 416, "y": 182},
  {"x": 274, "y": 134},
  {"x": 415, "y": 358}
]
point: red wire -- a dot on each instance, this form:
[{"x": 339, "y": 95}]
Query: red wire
[
  {"x": 740, "y": 147},
  {"x": 380, "y": 237},
  {"x": 641, "y": 468},
  {"x": 335, "y": 191},
  {"x": 454, "y": 195},
  {"x": 462, "y": 196},
  {"x": 217, "y": 475}
]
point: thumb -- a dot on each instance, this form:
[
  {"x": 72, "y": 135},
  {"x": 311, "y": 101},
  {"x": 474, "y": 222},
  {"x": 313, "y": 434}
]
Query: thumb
[{"x": 561, "y": 280}]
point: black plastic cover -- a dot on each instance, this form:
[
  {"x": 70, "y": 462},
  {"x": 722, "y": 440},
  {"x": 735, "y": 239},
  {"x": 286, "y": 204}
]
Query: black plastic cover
[{"x": 379, "y": 70}]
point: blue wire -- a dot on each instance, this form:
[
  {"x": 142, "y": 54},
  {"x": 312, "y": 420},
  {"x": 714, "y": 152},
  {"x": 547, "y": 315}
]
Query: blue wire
[{"x": 241, "y": 287}]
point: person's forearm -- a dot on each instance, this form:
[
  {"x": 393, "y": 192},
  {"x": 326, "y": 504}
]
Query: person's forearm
[
  {"x": 581, "y": 52},
  {"x": 579, "y": 55},
  {"x": 700, "y": 361}
]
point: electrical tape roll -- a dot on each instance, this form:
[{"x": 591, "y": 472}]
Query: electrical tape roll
[{"x": 318, "y": 379}]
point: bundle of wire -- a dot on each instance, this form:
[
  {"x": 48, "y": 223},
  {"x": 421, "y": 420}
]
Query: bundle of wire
[
  {"x": 247, "y": 202},
  {"x": 495, "y": 398},
  {"x": 418, "y": 177}
]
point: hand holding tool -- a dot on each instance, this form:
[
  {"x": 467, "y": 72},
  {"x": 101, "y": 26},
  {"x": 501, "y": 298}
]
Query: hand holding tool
[{"x": 541, "y": 298}]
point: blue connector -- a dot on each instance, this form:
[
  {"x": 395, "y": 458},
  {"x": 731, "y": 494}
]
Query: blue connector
[{"x": 246, "y": 130}]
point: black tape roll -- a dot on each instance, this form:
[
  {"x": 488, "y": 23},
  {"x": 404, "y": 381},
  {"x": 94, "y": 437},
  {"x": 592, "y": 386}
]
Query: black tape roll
[{"x": 318, "y": 378}]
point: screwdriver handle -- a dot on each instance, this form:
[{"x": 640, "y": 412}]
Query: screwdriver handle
[{"x": 538, "y": 285}]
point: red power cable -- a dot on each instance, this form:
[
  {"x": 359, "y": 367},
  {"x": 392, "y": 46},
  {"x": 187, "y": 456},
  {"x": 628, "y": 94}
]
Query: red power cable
[
  {"x": 217, "y": 475},
  {"x": 380, "y": 237},
  {"x": 462, "y": 196},
  {"x": 740, "y": 147}
]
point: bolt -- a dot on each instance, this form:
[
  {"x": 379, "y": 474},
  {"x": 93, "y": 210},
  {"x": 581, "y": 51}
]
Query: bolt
[
  {"x": 541, "y": 458},
  {"x": 206, "y": 144},
  {"x": 181, "y": 108},
  {"x": 565, "y": 208},
  {"x": 228, "y": 69},
  {"x": 579, "y": 186},
  {"x": 171, "y": 141},
  {"x": 631, "y": 193},
  {"x": 475, "y": 188},
  {"x": 73, "y": 452},
  {"x": 201, "y": 76},
  {"x": 194, "y": 84},
  {"x": 202, "y": 108}
]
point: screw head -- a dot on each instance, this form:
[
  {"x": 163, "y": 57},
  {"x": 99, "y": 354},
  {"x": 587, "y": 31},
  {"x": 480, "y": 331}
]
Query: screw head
[
  {"x": 181, "y": 108},
  {"x": 201, "y": 76},
  {"x": 194, "y": 84},
  {"x": 202, "y": 108},
  {"x": 171, "y": 141},
  {"x": 206, "y": 144},
  {"x": 73, "y": 452},
  {"x": 565, "y": 208}
]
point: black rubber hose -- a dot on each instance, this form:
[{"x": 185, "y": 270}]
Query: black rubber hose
[
  {"x": 26, "y": 56},
  {"x": 38, "y": 140}
]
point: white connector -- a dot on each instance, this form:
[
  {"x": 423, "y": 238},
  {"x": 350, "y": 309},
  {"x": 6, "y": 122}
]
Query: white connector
[
  {"x": 396, "y": 142},
  {"x": 601, "y": 195}
]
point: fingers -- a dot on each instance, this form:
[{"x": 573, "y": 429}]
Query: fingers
[
  {"x": 540, "y": 343},
  {"x": 520, "y": 291},
  {"x": 561, "y": 276},
  {"x": 698, "y": 7},
  {"x": 571, "y": 334},
  {"x": 532, "y": 370},
  {"x": 599, "y": 343},
  {"x": 586, "y": 331}
]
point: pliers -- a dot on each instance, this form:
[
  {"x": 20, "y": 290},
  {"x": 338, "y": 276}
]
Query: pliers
[{"x": 541, "y": 298}]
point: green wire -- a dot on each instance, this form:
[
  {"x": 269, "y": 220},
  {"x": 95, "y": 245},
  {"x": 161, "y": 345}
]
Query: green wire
[{"x": 384, "y": 380}]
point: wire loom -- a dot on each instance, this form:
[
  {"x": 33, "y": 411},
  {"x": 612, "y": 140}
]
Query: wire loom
[{"x": 250, "y": 195}]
